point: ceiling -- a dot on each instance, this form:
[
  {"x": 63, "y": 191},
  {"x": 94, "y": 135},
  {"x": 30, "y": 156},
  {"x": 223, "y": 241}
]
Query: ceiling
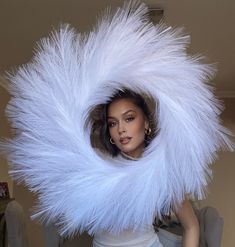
[{"x": 210, "y": 24}]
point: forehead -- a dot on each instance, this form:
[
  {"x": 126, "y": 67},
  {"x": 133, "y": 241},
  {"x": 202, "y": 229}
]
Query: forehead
[{"x": 121, "y": 106}]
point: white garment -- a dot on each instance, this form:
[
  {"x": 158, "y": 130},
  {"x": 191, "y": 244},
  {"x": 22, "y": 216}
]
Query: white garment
[{"x": 128, "y": 238}]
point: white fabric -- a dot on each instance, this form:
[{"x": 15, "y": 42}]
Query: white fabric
[
  {"x": 127, "y": 238},
  {"x": 169, "y": 239},
  {"x": 52, "y": 98}
]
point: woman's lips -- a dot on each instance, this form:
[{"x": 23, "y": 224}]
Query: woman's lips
[{"x": 125, "y": 140}]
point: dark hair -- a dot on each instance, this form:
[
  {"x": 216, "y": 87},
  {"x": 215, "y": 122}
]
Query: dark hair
[{"x": 104, "y": 136}]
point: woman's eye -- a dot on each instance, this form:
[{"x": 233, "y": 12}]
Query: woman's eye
[
  {"x": 129, "y": 119},
  {"x": 111, "y": 124}
]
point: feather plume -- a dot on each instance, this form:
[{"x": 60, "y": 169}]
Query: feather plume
[{"x": 71, "y": 73}]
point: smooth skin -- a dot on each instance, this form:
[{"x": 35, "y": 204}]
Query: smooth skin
[
  {"x": 190, "y": 224},
  {"x": 127, "y": 126}
]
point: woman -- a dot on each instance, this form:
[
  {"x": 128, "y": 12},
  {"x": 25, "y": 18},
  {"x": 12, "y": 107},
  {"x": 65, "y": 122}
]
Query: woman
[{"x": 127, "y": 130}]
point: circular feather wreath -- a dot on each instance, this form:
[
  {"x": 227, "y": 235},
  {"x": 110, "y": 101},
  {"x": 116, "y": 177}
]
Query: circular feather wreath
[{"x": 70, "y": 75}]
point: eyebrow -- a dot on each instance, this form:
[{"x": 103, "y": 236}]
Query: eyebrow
[{"x": 123, "y": 113}]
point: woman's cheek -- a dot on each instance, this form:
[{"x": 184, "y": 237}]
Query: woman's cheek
[{"x": 112, "y": 133}]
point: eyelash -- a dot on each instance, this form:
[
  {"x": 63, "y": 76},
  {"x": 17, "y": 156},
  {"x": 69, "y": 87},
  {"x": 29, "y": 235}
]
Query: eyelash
[{"x": 128, "y": 119}]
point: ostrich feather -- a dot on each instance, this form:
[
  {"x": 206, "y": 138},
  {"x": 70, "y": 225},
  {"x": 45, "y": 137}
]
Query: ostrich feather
[{"x": 54, "y": 95}]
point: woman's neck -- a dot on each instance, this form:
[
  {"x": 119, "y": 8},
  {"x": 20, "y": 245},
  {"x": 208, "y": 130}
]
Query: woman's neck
[{"x": 128, "y": 156}]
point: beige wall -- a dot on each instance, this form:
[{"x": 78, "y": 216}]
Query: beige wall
[
  {"x": 4, "y": 132},
  {"x": 221, "y": 194},
  {"x": 222, "y": 189}
]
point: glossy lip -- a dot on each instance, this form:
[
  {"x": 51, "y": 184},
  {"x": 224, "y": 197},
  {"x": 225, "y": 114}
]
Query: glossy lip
[{"x": 125, "y": 140}]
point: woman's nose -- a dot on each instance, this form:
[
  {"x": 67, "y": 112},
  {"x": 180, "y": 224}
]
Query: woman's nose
[{"x": 121, "y": 128}]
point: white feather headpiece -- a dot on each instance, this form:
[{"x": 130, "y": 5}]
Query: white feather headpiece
[{"x": 71, "y": 74}]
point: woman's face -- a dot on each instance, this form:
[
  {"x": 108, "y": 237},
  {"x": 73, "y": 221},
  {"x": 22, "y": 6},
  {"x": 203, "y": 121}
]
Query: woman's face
[{"x": 127, "y": 125}]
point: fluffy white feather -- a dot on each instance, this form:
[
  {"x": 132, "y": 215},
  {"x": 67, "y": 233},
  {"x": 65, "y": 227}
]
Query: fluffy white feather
[{"x": 51, "y": 102}]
